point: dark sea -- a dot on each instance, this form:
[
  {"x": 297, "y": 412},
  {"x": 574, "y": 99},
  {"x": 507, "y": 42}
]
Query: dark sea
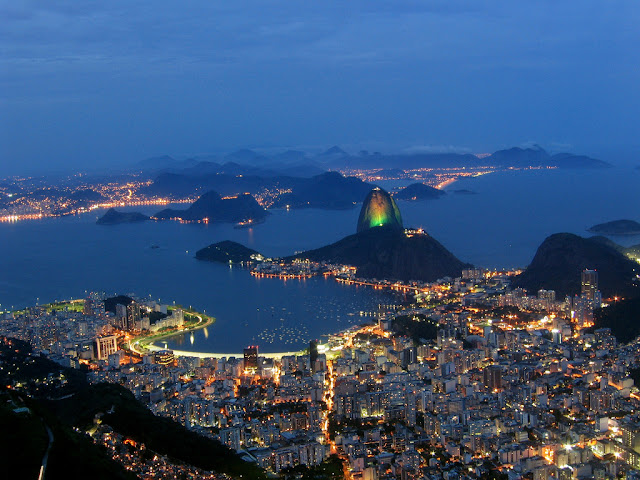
[{"x": 499, "y": 225}]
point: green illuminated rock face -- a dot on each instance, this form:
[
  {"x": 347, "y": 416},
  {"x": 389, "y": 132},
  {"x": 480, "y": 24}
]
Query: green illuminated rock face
[{"x": 379, "y": 210}]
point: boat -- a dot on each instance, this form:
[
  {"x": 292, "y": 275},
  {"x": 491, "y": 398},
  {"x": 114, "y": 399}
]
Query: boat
[{"x": 248, "y": 223}]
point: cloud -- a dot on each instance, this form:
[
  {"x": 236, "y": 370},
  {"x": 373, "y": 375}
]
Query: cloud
[{"x": 159, "y": 74}]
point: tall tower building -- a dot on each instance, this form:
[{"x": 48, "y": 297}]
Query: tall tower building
[
  {"x": 589, "y": 284},
  {"x": 313, "y": 354},
  {"x": 251, "y": 357},
  {"x": 493, "y": 377},
  {"x": 133, "y": 316}
]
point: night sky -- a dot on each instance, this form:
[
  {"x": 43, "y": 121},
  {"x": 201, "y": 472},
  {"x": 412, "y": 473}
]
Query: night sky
[{"x": 87, "y": 84}]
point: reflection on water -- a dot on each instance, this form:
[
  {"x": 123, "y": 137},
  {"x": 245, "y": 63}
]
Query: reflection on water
[{"x": 497, "y": 227}]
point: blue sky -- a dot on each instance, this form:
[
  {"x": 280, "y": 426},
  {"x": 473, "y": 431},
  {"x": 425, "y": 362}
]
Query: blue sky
[{"x": 94, "y": 83}]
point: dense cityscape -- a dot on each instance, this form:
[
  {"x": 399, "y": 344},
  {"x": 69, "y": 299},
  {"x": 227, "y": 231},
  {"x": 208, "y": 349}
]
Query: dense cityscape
[
  {"x": 470, "y": 379},
  {"x": 330, "y": 240}
]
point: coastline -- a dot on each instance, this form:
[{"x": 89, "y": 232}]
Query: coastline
[
  {"x": 147, "y": 342},
  {"x": 181, "y": 353}
]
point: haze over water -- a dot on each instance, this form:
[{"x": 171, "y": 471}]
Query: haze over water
[{"x": 500, "y": 226}]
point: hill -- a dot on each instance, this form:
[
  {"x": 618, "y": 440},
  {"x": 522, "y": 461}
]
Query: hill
[
  {"x": 329, "y": 190},
  {"x": 561, "y": 257},
  {"x": 616, "y": 227},
  {"x": 419, "y": 191},
  {"x": 385, "y": 252},
  {"x": 621, "y": 318},
  {"x": 534, "y": 156},
  {"x": 69, "y": 407},
  {"x": 214, "y": 208},
  {"x": 226, "y": 252},
  {"x": 113, "y": 217}
]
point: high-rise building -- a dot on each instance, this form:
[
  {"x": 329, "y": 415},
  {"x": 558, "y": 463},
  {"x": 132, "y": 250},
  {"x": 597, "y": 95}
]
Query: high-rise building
[
  {"x": 164, "y": 357},
  {"x": 105, "y": 346},
  {"x": 88, "y": 306},
  {"x": 121, "y": 316},
  {"x": 589, "y": 283},
  {"x": 493, "y": 377},
  {"x": 313, "y": 354},
  {"x": 251, "y": 357},
  {"x": 133, "y": 316}
]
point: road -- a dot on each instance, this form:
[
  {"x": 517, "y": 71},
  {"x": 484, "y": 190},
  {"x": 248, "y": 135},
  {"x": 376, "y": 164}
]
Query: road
[{"x": 45, "y": 458}]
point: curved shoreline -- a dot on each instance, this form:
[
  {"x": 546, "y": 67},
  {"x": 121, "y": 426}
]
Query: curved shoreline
[
  {"x": 182, "y": 353},
  {"x": 146, "y": 342}
]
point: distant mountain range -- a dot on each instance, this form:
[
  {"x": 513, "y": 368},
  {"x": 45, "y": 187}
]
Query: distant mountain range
[
  {"x": 561, "y": 258},
  {"x": 617, "y": 227},
  {"x": 304, "y": 164},
  {"x": 214, "y": 208},
  {"x": 301, "y": 175}
]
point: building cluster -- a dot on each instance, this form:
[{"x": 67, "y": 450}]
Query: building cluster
[
  {"x": 545, "y": 398},
  {"x": 82, "y": 331},
  {"x": 143, "y": 462}
]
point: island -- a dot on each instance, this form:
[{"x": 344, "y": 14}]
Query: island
[
  {"x": 419, "y": 191},
  {"x": 212, "y": 208},
  {"x": 113, "y": 217},
  {"x": 464, "y": 191},
  {"x": 617, "y": 227},
  {"x": 227, "y": 251}
]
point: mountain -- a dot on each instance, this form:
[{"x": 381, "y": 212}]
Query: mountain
[
  {"x": 379, "y": 210},
  {"x": 328, "y": 190},
  {"x": 333, "y": 151},
  {"x": 69, "y": 409},
  {"x": 87, "y": 195},
  {"x": 568, "y": 160},
  {"x": 561, "y": 258},
  {"x": 419, "y": 191},
  {"x": 226, "y": 252},
  {"x": 214, "y": 208},
  {"x": 621, "y": 318},
  {"x": 388, "y": 253},
  {"x": 113, "y": 217},
  {"x": 520, "y": 157},
  {"x": 537, "y": 157},
  {"x": 245, "y": 155},
  {"x": 513, "y": 157},
  {"x": 616, "y": 227}
]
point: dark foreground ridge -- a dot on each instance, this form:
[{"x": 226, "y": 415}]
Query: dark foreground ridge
[
  {"x": 69, "y": 409},
  {"x": 226, "y": 251},
  {"x": 388, "y": 253},
  {"x": 561, "y": 257},
  {"x": 113, "y": 217},
  {"x": 214, "y": 208}
]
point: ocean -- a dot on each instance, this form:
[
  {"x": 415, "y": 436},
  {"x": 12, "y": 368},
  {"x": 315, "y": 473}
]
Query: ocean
[{"x": 500, "y": 225}]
